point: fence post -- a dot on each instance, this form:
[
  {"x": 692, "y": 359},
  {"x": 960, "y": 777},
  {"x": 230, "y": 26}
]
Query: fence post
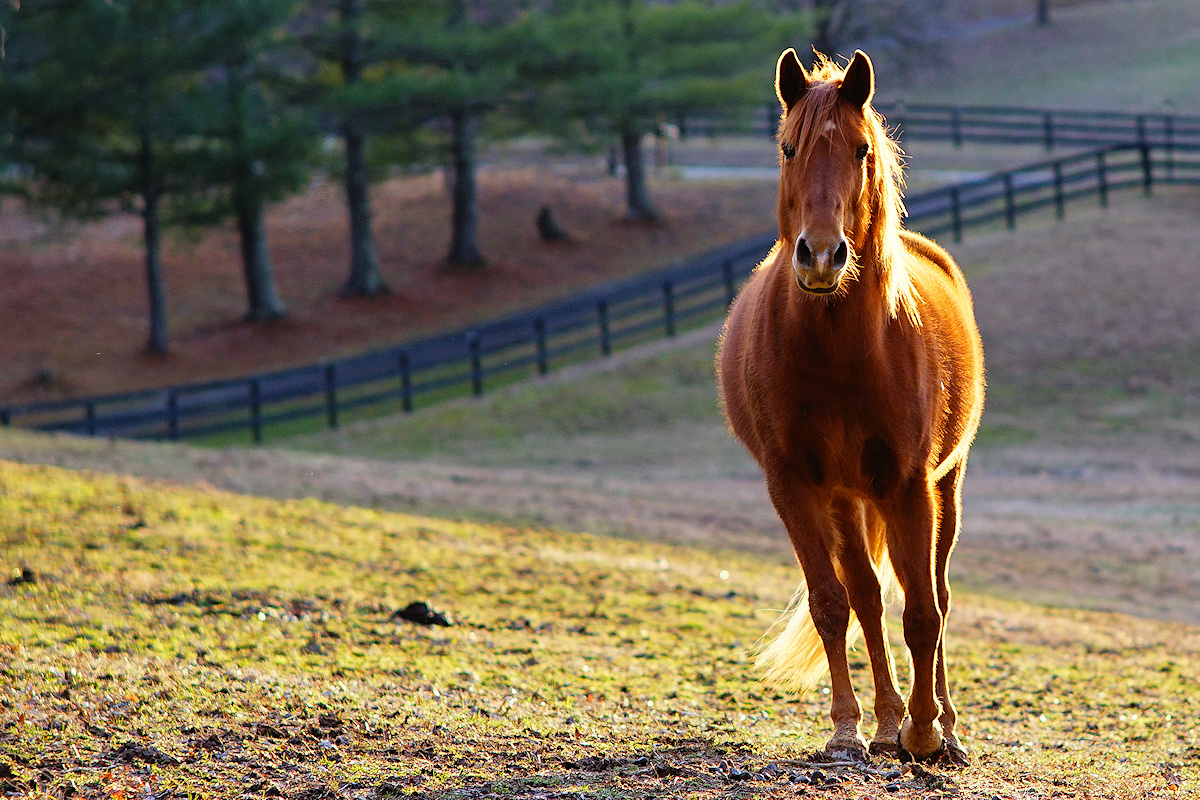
[
  {"x": 1147, "y": 169},
  {"x": 406, "y": 400},
  {"x": 605, "y": 340},
  {"x": 331, "y": 403},
  {"x": 1102, "y": 178},
  {"x": 669, "y": 307},
  {"x": 476, "y": 363},
  {"x": 1010, "y": 202},
  {"x": 256, "y": 410},
  {"x": 173, "y": 414},
  {"x": 956, "y": 127},
  {"x": 727, "y": 274},
  {"x": 1141, "y": 129},
  {"x": 539, "y": 331},
  {"x": 5, "y": 418},
  {"x": 956, "y": 214},
  {"x": 1048, "y": 130},
  {"x": 1169, "y": 144},
  {"x": 89, "y": 417},
  {"x": 1059, "y": 200}
]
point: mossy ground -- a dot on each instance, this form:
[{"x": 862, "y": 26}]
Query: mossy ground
[{"x": 175, "y": 642}]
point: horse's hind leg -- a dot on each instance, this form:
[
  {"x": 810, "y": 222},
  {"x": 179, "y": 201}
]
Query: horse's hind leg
[
  {"x": 949, "y": 492},
  {"x": 866, "y": 598},
  {"x": 814, "y": 539}
]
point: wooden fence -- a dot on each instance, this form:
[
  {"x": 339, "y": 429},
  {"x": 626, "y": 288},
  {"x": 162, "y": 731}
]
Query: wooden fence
[
  {"x": 988, "y": 125},
  {"x": 593, "y": 323}
]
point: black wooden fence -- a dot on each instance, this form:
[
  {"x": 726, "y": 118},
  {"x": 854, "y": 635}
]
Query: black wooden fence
[
  {"x": 595, "y": 322},
  {"x": 988, "y": 125}
]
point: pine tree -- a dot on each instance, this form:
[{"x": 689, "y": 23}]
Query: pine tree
[
  {"x": 629, "y": 65},
  {"x": 450, "y": 62},
  {"x": 257, "y": 145},
  {"x": 91, "y": 90}
]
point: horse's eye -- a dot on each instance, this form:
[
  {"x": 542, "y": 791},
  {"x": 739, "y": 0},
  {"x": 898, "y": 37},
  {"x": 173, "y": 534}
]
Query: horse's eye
[
  {"x": 862, "y": 152},
  {"x": 789, "y": 150}
]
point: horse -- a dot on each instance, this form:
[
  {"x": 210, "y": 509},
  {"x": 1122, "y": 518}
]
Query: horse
[{"x": 851, "y": 367}]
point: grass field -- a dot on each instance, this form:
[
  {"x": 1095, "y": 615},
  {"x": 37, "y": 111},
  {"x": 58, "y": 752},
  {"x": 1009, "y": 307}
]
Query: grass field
[
  {"x": 169, "y": 642},
  {"x": 161, "y": 637},
  {"x": 176, "y": 642},
  {"x": 1131, "y": 55}
]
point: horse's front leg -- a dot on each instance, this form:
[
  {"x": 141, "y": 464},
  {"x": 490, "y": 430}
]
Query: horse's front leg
[
  {"x": 911, "y": 543},
  {"x": 866, "y": 598},
  {"x": 806, "y": 515},
  {"x": 949, "y": 493}
]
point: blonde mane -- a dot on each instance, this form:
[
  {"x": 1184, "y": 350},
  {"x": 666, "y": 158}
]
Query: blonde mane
[{"x": 807, "y": 123}]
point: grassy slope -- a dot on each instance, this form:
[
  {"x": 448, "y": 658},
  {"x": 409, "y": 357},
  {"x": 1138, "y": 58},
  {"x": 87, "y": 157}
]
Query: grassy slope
[
  {"x": 251, "y": 642},
  {"x": 1134, "y": 56}
]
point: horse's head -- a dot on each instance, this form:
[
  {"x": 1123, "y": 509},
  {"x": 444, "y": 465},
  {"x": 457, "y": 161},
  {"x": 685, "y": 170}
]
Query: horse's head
[{"x": 829, "y": 137}]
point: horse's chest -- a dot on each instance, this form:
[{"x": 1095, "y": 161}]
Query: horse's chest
[{"x": 857, "y": 426}]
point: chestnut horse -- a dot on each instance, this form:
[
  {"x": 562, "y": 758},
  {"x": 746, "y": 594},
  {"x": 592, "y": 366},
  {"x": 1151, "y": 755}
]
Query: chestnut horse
[{"x": 851, "y": 368}]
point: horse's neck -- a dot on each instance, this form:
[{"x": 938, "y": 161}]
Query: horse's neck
[{"x": 851, "y": 321}]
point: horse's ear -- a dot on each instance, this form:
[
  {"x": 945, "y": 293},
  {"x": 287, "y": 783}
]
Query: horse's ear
[
  {"x": 791, "y": 81},
  {"x": 858, "y": 84}
]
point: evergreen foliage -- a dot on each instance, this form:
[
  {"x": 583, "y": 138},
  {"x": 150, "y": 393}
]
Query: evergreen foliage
[
  {"x": 196, "y": 113},
  {"x": 627, "y": 67},
  {"x": 91, "y": 92},
  {"x": 258, "y": 146}
]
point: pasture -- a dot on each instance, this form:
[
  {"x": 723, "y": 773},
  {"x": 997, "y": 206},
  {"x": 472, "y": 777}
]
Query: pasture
[
  {"x": 175, "y": 642},
  {"x": 187, "y": 622},
  {"x": 147, "y": 636}
]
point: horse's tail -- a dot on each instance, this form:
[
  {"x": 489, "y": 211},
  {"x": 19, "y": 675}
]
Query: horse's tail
[{"x": 795, "y": 658}]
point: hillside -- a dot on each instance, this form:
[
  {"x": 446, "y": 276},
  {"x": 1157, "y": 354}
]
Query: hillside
[
  {"x": 74, "y": 301},
  {"x": 1082, "y": 488},
  {"x": 171, "y": 642}
]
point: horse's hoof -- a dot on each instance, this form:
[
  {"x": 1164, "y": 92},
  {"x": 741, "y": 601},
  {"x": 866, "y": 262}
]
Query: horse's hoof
[
  {"x": 847, "y": 748},
  {"x": 925, "y": 747},
  {"x": 885, "y": 747},
  {"x": 954, "y": 754}
]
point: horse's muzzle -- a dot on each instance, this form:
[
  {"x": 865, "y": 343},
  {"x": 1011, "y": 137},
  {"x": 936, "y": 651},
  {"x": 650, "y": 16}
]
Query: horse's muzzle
[{"x": 820, "y": 272}]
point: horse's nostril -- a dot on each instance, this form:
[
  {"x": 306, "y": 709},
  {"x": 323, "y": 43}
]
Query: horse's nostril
[
  {"x": 803, "y": 254},
  {"x": 840, "y": 255}
]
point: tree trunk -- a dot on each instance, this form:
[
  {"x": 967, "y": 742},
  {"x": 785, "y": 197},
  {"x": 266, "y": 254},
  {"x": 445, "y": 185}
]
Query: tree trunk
[
  {"x": 150, "y": 234},
  {"x": 464, "y": 242},
  {"x": 364, "y": 280},
  {"x": 637, "y": 195},
  {"x": 264, "y": 301}
]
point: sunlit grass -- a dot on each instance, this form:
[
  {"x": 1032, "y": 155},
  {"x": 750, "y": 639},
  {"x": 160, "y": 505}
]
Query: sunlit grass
[{"x": 255, "y": 643}]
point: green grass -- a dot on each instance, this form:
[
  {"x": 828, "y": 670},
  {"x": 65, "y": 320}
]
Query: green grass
[
  {"x": 608, "y": 414},
  {"x": 252, "y": 643}
]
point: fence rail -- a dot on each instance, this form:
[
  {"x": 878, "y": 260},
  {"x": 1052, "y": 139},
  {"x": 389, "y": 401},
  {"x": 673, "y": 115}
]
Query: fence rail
[
  {"x": 597, "y": 321},
  {"x": 988, "y": 125}
]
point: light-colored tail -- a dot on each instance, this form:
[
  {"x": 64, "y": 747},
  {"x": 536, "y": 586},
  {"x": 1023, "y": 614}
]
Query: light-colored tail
[{"x": 795, "y": 658}]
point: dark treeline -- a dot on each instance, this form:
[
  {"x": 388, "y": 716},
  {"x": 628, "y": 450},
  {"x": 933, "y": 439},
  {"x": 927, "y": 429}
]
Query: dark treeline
[{"x": 197, "y": 113}]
